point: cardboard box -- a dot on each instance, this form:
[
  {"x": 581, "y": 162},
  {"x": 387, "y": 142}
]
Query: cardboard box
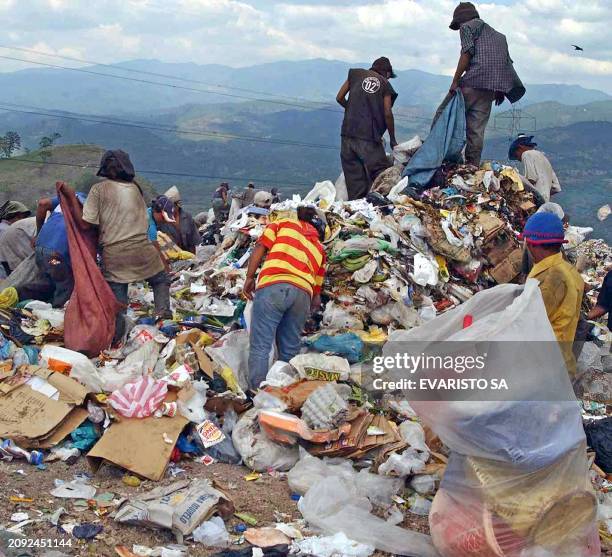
[
  {"x": 138, "y": 445},
  {"x": 31, "y": 418}
]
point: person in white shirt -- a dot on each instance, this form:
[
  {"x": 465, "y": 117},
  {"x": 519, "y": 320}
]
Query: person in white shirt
[{"x": 537, "y": 170}]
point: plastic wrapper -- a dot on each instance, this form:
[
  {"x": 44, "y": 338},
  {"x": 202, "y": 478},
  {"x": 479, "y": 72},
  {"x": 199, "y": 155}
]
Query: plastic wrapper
[
  {"x": 281, "y": 374},
  {"x": 331, "y": 546},
  {"x": 212, "y": 533},
  {"x": 337, "y": 317},
  {"x": 139, "y": 399},
  {"x": 321, "y": 366},
  {"x": 78, "y": 366},
  {"x": 258, "y": 452},
  {"x": 232, "y": 351},
  {"x": 309, "y": 470},
  {"x": 333, "y": 505},
  {"x": 517, "y": 481}
]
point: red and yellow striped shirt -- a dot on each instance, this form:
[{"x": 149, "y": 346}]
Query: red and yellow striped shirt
[{"x": 295, "y": 256}]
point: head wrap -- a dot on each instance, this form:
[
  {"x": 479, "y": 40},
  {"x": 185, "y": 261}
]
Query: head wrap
[
  {"x": 464, "y": 12},
  {"x": 543, "y": 228},
  {"x": 116, "y": 165}
]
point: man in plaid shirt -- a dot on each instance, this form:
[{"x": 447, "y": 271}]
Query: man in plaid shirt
[{"x": 485, "y": 73}]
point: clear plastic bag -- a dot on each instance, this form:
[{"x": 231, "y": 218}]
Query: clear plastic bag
[{"x": 516, "y": 483}]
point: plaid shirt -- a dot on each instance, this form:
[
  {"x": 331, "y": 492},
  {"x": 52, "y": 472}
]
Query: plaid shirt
[{"x": 490, "y": 64}]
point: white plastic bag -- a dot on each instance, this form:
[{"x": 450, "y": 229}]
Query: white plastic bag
[
  {"x": 405, "y": 464},
  {"x": 341, "y": 191},
  {"x": 281, "y": 374},
  {"x": 414, "y": 434},
  {"x": 212, "y": 533},
  {"x": 322, "y": 191},
  {"x": 193, "y": 408},
  {"x": 331, "y": 546},
  {"x": 81, "y": 368},
  {"x": 232, "y": 350},
  {"x": 258, "y": 452},
  {"x": 332, "y": 505},
  {"x": 337, "y": 317},
  {"x": 403, "y": 151},
  {"x": 320, "y": 366}
]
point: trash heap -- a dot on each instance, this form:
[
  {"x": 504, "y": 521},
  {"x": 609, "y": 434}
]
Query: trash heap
[{"x": 175, "y": 390}]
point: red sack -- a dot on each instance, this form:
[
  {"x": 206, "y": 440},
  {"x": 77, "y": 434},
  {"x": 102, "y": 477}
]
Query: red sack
[{"x": 89, "y": 323}]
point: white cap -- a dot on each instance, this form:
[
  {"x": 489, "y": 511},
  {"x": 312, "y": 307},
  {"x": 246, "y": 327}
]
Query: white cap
[
  {"x": 263, "y": 199},
  {"x": 173, "y": 194}
]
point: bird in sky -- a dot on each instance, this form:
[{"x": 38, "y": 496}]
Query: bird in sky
[{"x": 576, "y": 47}]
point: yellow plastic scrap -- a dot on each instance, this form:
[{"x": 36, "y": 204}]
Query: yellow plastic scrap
[
  {"x": 509, "y": 172},
  {"x": 442, "y": 268},
  {"x": 171, "y": 250},
  {"x": 204, "y": 340},
  {"x": 8, "y": 298},
  {"x": 375, "y": 335},
  {"x": 230, "y": 380}
]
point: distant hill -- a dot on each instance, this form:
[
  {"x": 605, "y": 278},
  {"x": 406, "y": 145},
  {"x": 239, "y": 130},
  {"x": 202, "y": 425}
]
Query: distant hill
[
  {"x": 27, "y": 178},
  {"x": 316, "y": 80}
]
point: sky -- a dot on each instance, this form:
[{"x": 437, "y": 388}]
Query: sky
[{"x": 412, "y": 33}]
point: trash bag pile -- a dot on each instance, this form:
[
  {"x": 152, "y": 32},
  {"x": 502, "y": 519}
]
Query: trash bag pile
[{"x": 400, "y": 262}]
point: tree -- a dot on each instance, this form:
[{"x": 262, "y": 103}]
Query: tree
[
  {"x": 48, "y": 140},
  {"x": 10, "y": 143}
]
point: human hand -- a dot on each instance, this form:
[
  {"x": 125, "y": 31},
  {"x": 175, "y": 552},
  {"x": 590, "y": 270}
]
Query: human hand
[
  {"x": 453, "y": 87},
  {"x": 315, "y": 303},
  {"x": 499, "y": 98},
  {"x": 249, "y": 288}
]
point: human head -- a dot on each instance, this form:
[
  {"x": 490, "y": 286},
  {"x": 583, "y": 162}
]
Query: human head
[
  {"x": 251, "y": 185},
  {"x": 262, "y": 199},
  {"x": 116, "y": 165},
  {"x": 383, "y": 67},
  {"x": 464, "y": 12},
  {"x": 12, "y": 211},
  {"x": 173, "y": 194},
  {"x": 274, "y": 191},
  {"x": 315, "y": 218},
  {"x": 544, "y": 235},
  {"x": 521, "y": 144},
  {"x": 163, "y": 209}
]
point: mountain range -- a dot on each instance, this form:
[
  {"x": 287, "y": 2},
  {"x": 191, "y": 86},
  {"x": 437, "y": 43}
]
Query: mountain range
[{"x": 275, "y": 124}]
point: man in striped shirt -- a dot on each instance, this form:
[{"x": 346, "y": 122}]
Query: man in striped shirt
[{"x": 288, "y": 287}]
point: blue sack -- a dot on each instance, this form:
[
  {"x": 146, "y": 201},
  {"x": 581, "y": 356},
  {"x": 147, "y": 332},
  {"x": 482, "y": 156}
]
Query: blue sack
[{"x": 347, "y": 345}]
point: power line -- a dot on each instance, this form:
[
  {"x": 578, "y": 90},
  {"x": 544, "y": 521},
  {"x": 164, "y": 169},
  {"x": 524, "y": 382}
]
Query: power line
[
  {"x": 164, "y": 173},
  {"x": 196, "y": 90},
  {"x": 11, "y": 107}
]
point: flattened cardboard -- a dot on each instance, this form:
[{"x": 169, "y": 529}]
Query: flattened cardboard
[
  {"x": 72, "y": 421},
  {"x": 138, "y": 445},
  {"x": 71, "y": 391},
  {"x": 191, "y": 337},
  {"x": 26, "y": 414}
]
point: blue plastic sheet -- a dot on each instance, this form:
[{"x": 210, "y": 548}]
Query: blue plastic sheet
[
  {"x": 347, "y": 345},
  {"x": 444, "y": 144}
]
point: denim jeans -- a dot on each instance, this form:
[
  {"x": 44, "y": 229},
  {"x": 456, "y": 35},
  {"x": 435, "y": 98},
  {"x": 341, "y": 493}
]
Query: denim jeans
[
  {"x": 58, "y": 271},
  {"x": 279, "y": 312},
  {"x": 160, "y": 283}
]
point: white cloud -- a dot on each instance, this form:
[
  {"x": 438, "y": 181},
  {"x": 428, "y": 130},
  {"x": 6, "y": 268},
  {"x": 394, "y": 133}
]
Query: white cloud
[{"x": 413, "y": 33}]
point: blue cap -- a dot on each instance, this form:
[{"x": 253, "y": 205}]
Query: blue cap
[
  {"x": 543, "y": 228},
  {"x": 520, "y": 140}
]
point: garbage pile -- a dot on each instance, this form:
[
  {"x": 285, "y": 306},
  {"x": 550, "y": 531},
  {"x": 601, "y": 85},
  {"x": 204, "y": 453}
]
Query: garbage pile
[{"x": 399, "y": 261}]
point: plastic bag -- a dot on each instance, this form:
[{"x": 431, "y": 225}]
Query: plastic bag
[
  {"x": 337, "y": 317},
  {"x": 321, "y": 366},
  {"x": 331, "y": 546},
  {"x": 514, "y": 464},
  {"x": 347, "y": 345},
  {"x": 232, "y": 351},
  {"x": 77, "y": 365},
  {"x": 212, "y": 533},
  {"x": 405, "y": 464},
  {"x": 403, "y": 151},
  {"x": 193, "y": 407},
  {"x": 309, "y": 470},
  {"x": 414, "y": 434},
  {"x": 341, "y": 191},
  {"x": 281, "y": 374},
  {"x": 324, "y": 192},
  {"x": 258, "y": 452},
  {"x": 332, "y": 505},
  {"x": 139, "y": 399}
]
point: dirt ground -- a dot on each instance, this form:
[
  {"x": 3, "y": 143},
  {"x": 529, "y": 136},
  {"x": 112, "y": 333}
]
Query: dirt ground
[{"x": 264, "y": 499}]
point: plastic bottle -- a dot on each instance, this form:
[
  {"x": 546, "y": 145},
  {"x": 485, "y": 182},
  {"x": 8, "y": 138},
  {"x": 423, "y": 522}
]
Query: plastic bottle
[{"x": 33, "y": 457}]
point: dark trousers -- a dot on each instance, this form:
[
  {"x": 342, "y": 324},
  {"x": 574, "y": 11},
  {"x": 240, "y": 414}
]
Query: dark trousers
[
  {"x": 478, "y": 103},
  {"x": 58, "y": 272},
  {"x": 362, "y": 161},
  {"x": 159, "y": 283}
]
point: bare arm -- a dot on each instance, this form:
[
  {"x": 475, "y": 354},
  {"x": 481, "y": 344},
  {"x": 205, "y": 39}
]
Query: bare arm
[
  {"x": 389, "y": 120},
  {"x": 462, "y": 66},
  {"x": 75, "y": 204},
  {"x": 44, "y": 206},
  {"x": 341, "y": 96},
  {"x": 259, "y": 252}
]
